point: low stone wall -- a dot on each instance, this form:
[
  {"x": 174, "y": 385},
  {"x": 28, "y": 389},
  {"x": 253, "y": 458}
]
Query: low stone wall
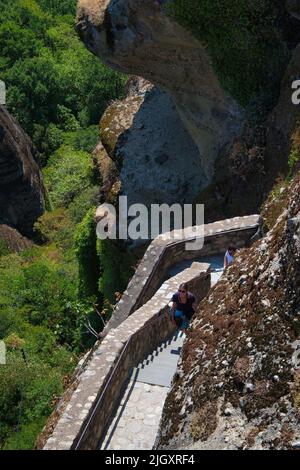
[
  {"x": 166, "y": 252},
  {"x": 86, "y": 418}
]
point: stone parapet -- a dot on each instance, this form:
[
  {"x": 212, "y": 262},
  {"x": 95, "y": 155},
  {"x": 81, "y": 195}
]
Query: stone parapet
[
  {"x": 86, "y": 418},
  {"x": 167, "y": 251}
]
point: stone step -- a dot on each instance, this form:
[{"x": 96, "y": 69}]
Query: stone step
[{"x": 160, "y": 366}]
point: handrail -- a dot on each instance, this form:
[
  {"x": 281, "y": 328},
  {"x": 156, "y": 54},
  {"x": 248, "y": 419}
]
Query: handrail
[{"x": 115, "y": 367}]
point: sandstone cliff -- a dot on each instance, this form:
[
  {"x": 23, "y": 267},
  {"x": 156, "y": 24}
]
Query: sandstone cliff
[
  {"x": 151, "y": 155},
  {"x": 137, "y": 37},
  {"x": 238, "y": 384},
  {"x": 21, "y": 185}
]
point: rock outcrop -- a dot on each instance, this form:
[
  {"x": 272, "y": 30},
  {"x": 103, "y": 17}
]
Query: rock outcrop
[
  {"x": 150, "y": 154},
  {"x": 137, "y": 37},
  {"x": 283, "y": 119},
  {"x": 21, "y": 185},
  {"x": 238, "y": 384},
  {"x": 12, "y": 240}
]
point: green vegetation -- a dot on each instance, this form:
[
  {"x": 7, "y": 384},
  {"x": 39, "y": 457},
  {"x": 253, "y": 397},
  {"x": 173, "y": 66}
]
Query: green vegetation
[
  {"x": 54, "y": 84},
  {"x": 244, "y": 41},
  {"x": 278, "y": 197},
  {"x": 116, "y": 268},
  {"x": 58, "y": 91}
]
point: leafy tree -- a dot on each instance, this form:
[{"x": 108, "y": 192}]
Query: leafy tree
[
  {"x": 68, "y": 174},
  {"x": 52, "y": 79}
]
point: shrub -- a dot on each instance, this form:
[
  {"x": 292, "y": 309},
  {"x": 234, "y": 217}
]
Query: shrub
[
  {"x": 85, "y": 245},
  {"x": 68, "y": 174}
]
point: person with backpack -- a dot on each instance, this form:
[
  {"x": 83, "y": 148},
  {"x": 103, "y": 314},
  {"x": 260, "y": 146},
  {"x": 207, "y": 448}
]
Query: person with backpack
[{"x": 183, "y": 307}]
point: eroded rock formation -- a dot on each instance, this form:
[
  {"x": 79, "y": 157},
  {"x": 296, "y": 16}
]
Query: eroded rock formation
[
  {"x": 238, "y": 384},
  {"x": 150, "y": 157},
  {"x": 137, "y": 37},
  {"x": 21, "y": 184}
]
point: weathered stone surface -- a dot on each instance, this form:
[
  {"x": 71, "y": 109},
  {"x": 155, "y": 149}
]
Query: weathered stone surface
[
  {"x": 240, "y": 353},
  {"x": 21, "y": 183},
  {"x": 13, "y": 240},
  {"x": 137, "y": 37},
  {"x": 153, "y": 154}
]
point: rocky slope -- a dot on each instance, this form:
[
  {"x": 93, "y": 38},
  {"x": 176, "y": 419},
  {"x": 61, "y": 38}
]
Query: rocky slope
[
  {"x": 12, "y": 240},
  {"x": 238, "y": 384},
  {"x": 22, "y": 196}
]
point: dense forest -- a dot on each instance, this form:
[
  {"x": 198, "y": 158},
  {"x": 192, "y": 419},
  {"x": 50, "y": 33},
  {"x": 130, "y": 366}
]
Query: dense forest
[{"x": 57, "y": 90}]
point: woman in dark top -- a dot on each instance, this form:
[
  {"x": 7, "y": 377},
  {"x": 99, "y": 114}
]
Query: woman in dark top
[{"x": 183, "y": 308}]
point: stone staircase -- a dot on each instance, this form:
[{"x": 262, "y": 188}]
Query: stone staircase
[
  {"x": 136, "y": 421},
  {"x": 160, "y": 366}
]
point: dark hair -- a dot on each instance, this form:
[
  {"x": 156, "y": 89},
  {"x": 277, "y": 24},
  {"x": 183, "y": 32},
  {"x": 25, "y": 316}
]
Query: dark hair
[
  {"x": 184, "y": 286},
  {"x": 231, "y": 248}
]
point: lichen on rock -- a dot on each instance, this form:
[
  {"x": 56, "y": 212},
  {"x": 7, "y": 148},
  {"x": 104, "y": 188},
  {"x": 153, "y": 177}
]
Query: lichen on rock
[{"x": 242, "y": 345}]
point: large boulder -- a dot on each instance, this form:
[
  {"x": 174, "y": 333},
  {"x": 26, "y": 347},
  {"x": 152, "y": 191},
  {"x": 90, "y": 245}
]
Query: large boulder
[
  {"x": 150, "y": 153},
  {"x": 22, "y": 194},
  {"x": 137, "y": 37}
]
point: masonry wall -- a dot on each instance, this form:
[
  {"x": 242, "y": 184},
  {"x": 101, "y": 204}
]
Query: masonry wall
[
  {"x": 86, "y": 418},
  {"x": 166, "y": 252}
]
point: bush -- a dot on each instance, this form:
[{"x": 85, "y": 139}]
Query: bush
[
  {"x": 4, "y": 250},
  {"x": 82, "y": 203},
  {"x": 86, "y": 251},
  {"x": 52, "y": 79}
]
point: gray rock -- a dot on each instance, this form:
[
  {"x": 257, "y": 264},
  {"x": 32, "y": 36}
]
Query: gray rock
[{"x": 22, "y": 194}]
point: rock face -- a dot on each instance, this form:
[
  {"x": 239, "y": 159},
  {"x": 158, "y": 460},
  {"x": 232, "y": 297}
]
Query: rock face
[
  {"x": 21, "y": 184},
  {"x": 238, "y": 383},
  {"x": 13, "y": 240},
  {"x": 137, "y": 37},
  {"x": 283, "y": 119},
  {"x": 155, "y": 158}
]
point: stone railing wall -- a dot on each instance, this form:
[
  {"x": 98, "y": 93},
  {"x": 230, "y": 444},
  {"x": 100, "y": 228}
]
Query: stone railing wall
[
  {"x": 86, "y": 418},
  {"x": 166, "y": 252},
  {"x": 84, "y": 414}
]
